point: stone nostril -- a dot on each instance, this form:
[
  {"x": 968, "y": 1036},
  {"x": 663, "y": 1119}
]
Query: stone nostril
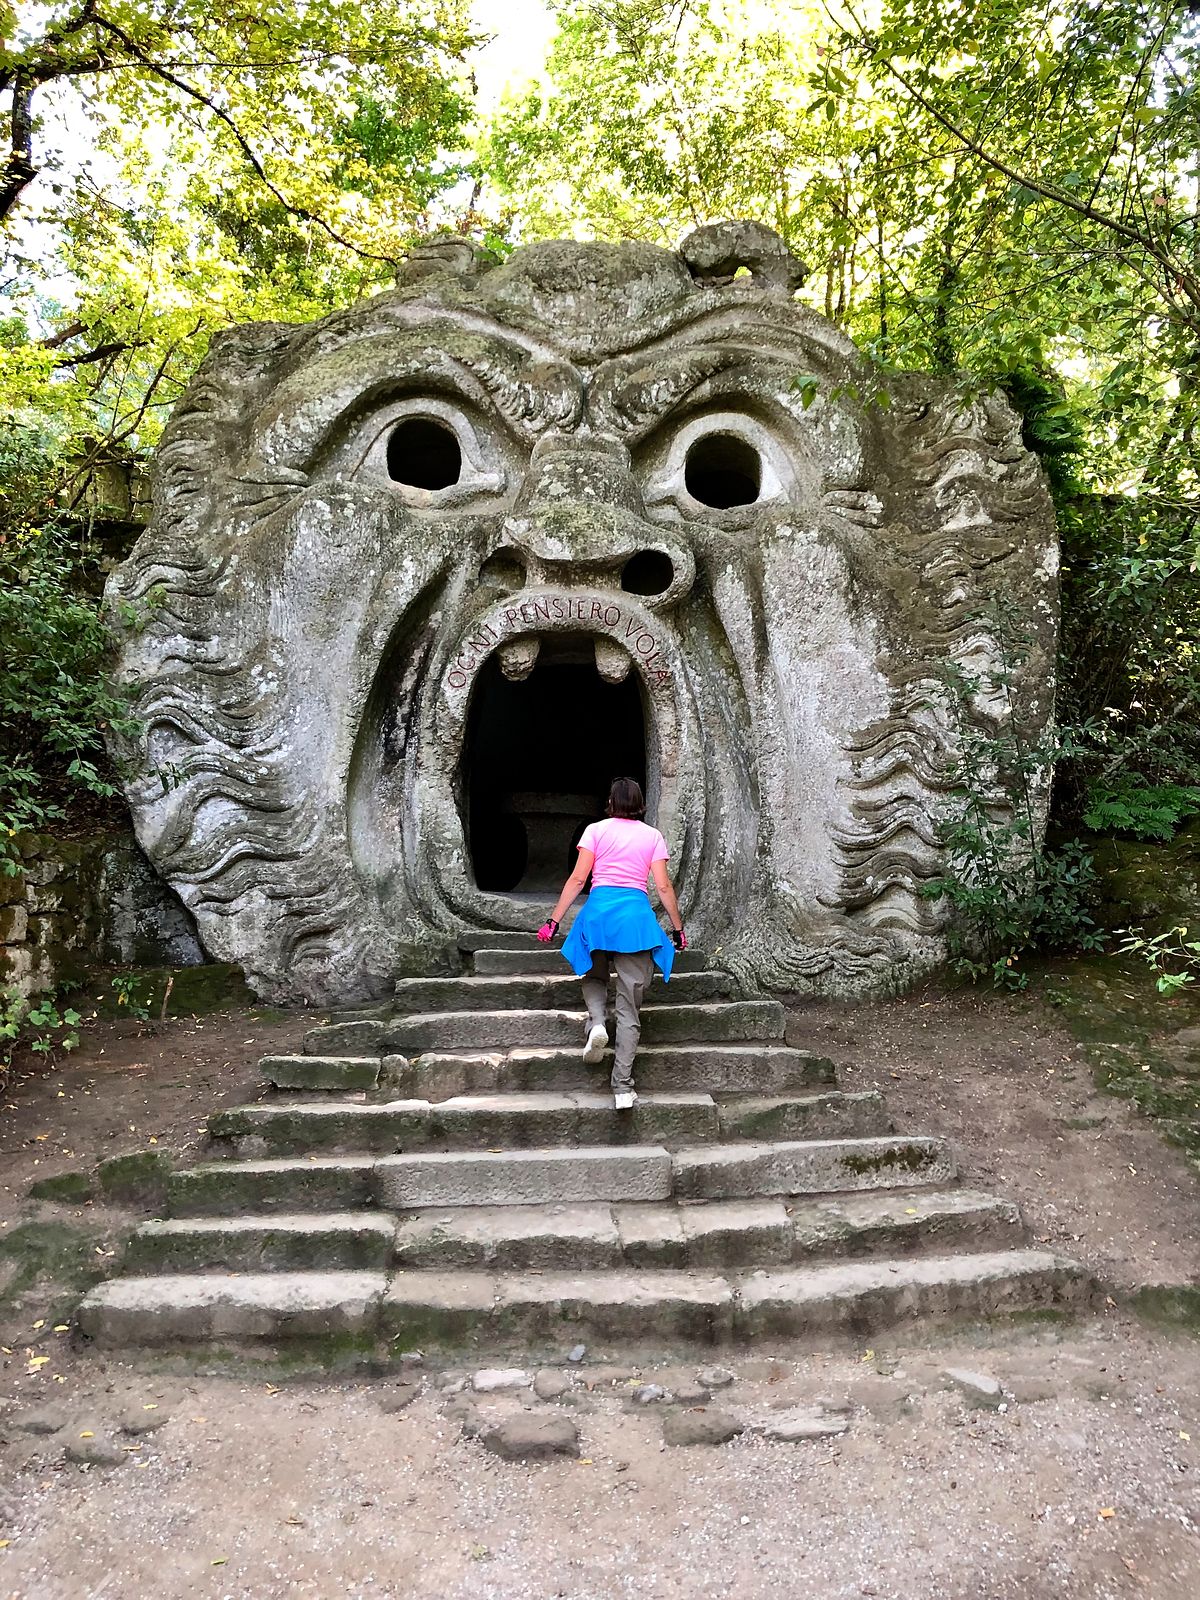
[
  {"x": 502, "y": 571},
  {"x": 648, "y": 572}
]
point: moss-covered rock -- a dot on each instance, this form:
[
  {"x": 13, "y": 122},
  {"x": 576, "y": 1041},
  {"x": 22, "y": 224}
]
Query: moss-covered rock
[
  {"x": 1153, "y": 886},
  {"x": 137, "y": 1179},
  {"x": 66, "y": 1188}
]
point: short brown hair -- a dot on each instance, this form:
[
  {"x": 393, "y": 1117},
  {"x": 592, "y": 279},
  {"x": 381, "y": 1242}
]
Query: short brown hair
[{"x": 625, "y": 799}]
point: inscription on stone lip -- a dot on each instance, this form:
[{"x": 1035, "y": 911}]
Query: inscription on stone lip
[{"x": 599, "y": 611}]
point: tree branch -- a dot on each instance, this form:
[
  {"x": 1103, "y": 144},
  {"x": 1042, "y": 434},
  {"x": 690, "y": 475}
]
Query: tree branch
[
  {"x": 243, "y": 144},
  {"x": 1171, "y": 269}
]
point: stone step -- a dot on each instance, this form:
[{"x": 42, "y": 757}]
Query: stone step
[
  {"x": 727, "y": 1234},
  {"x": 548, "y": 961},
  {"x": 517, "y": 1121},
  {"x": 808, "y": 1166},
  {"x": 524, "y": 1177},
  {"x": 580, "y": 1238},
  {"x": 763, "y": 1069},
  {"x": 231, "y": 1188},
  {"x": 569, "y": 1175},
  {"x": 346, "y": 1241},
  {"x": 447, "y": 1310},
  {"x": 560, "y": 991},
  {"x": 713, "y": 1023},
  {"x": 524, "y": 1120}
]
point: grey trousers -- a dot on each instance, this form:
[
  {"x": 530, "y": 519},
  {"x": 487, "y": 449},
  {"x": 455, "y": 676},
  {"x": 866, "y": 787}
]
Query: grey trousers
[{"x": 633, "y": 972}]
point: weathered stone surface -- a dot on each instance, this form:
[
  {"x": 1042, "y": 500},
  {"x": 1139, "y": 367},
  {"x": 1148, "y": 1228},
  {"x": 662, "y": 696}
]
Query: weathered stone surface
[
  {"x": 808, "y": 1167},
  {"x": 802, "y": 1424},
  {"x": 736, "y": 1232},
  {"x": 97, "y": 1451},
  {"x": 228, "y": 1188},
  {"x": 871, "y": 1295},
  {"x": 817, "y": 1116},
  {"x": 321, "y": 693},
  {"x": 191, "y": 1310},
  {"x": 731, "y": 1068},
  {"x": 531, "y": 1436},
  {"x": 703, "y": 1426},
  {"x": 551, "y": 1237},
  {"x": 336, "y": 1242},
  {"x": 345, "y": 1073},
  {"x": 523, "y": 1177},
  {"x": 977, "y": 1388},
  {"x": 493, "y": 1380},
  {"x": 550, "y": 1385}
]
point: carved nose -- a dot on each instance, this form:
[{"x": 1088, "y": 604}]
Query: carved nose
[{"x": 579, "y": 472}]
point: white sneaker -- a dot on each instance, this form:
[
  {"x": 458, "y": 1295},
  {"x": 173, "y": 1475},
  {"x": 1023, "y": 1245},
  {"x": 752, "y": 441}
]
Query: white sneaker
[
  {"x": 626, "y": 1100},
  {"x": 597, "y": 1044}
]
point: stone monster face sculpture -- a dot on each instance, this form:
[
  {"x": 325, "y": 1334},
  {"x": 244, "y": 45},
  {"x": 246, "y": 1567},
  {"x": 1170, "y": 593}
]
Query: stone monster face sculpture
[{"x": 422, "y": 578}]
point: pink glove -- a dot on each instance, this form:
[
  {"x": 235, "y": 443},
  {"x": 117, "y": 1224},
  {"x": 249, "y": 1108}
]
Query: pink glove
[{"x": 547, "y": 930}]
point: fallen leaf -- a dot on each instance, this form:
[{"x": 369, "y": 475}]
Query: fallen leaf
[
  {"x": 87, "y": 1434},
  {"x": 62, "y": 1327},
  {"x": 40, "y": 1323},
  {"x": 1186, "y": 1437},
  {"x": 151, "y": 1406},
  {"x": 37, "y": 1361},
  {"x": 910, "y": 1211},
  {"x": 1107, "y": 1511},
  {"x": 220, "y": 1561}
]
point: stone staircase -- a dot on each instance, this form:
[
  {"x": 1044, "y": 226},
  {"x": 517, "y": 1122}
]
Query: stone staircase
[{"x": 451, "y": 1174}]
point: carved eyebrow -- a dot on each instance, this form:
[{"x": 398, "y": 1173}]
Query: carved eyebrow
[
  {"x": 530, "y": 402},
  {"x": 635, "y": 400}
]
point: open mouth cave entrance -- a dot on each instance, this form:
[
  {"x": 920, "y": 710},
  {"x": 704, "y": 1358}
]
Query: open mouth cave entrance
[{"x": 538, "y": 759}]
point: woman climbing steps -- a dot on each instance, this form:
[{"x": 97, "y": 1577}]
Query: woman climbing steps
[{"x": 616, "y": 931}]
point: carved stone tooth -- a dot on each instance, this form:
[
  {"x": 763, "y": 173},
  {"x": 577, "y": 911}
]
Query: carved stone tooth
[
  {"x": 612, "y": 659},
  {"x": 518, "y": 657}
]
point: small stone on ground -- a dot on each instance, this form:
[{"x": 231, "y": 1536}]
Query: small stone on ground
[
  {"x": 97, "y": 1452},
  {"x": 531, "y": 1437},
  {"x": 494, "y": 1380},
  {"x": 715, "y": 1377},
  {"x": 976, "y": 1387},
  {"x": 705, "y": 1426},
  {"x": 549, "y": 1384}
]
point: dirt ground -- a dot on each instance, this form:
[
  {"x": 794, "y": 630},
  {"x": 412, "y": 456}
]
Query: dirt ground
[
  {"x": 1084, "y": 1487},
  {"x": 1003, "y": 1079}
]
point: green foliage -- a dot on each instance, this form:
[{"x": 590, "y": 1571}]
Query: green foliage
[
  {"x": 55, "y": 702},
  {"x": 39, "y": 1024},
  {"x": 127, "y": 988},
  {"x": 1128, "y": 804},
  {"x": 1171, "y": 956},
  {"x": 1011, "y": 894}
]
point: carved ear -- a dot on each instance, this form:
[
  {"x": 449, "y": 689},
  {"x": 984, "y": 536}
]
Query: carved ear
[
  {"x": 714, "y": 253},
  {"x": 442, "y": 255}
]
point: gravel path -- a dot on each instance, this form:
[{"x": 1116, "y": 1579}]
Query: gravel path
[{"x": 1084, "y": 1485}]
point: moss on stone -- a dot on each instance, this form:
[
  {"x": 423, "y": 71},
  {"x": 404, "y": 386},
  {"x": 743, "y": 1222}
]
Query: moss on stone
[
  {"x": 906, "y": 1157},
  {"x": 67, "y": 1188},
  {"x": 1169, "y": 1306},
  {"x": 137, "y": 1179},
  {"x": 50, "y": 1251}
]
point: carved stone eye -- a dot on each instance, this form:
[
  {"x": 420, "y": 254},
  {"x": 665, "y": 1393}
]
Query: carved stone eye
[
  {"x": 723, "y": 471},
  {"x": 423, "y": 453}
]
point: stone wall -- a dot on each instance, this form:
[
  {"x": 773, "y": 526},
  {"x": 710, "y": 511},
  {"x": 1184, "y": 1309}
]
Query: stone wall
[{"x": 78, "y": 901}]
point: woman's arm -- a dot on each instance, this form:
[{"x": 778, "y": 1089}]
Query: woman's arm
[
  {"x": 666, "y": 893},
  {"x": 574, "y": 884}
]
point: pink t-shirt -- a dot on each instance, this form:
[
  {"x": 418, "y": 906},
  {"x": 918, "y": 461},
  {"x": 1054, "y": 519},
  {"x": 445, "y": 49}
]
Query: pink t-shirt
[{"x": 623, "y": 848}]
